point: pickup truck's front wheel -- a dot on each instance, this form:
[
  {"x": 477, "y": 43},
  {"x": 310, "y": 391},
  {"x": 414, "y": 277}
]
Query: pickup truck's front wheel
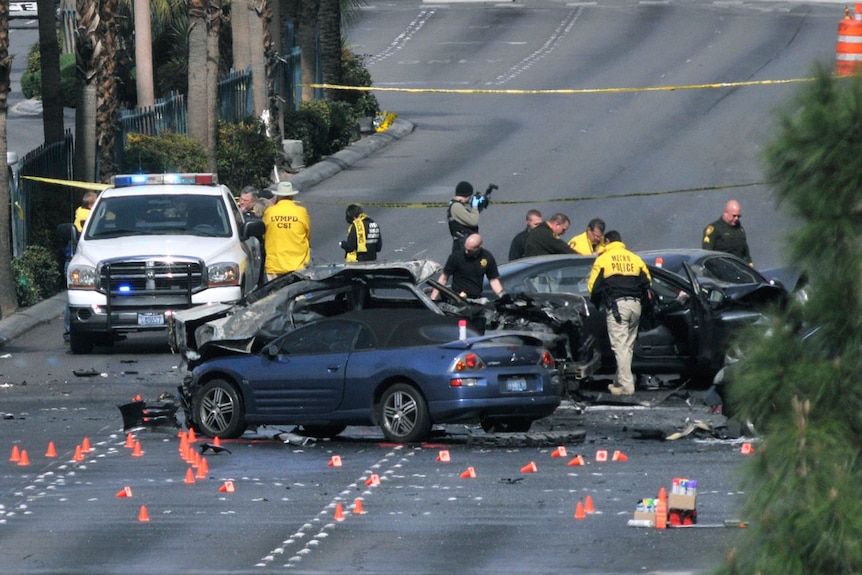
[{"x": 81, "y": 343}]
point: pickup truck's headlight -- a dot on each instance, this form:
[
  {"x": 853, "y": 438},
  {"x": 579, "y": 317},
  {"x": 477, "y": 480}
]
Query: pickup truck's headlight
[
  {"x": 223, "y": 274},
  {"x": 81, "y": 277}
]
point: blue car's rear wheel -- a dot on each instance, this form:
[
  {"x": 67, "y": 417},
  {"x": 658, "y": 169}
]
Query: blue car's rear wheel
[
  {"x": 403, "y": 414},
  {"x": 218, "y": 410}
]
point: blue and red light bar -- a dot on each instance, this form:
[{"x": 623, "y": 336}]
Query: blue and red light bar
[{"x": 128, "y": 180}]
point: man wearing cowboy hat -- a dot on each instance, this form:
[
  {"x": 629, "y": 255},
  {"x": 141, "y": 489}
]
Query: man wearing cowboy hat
[{"x": 288, "y": 233}]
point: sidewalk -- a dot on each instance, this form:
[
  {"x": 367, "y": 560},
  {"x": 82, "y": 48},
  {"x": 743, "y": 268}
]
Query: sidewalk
[{"x": 27, "y": 318}]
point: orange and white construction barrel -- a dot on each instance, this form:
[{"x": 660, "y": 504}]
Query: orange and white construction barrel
[{"x": 848, "y": 50}]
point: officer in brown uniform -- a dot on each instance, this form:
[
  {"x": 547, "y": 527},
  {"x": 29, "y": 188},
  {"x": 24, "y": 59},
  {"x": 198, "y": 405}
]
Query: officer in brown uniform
[{"x": 726, "y": 233}]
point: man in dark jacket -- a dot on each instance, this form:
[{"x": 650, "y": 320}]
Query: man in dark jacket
[
  {"x": 546, "y": 239},
  {"x": 364, "y": 239},
  {"x": 516, "y": 248}
]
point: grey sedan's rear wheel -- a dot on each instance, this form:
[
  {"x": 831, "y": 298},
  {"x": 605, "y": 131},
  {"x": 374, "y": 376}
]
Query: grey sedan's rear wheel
[
  {"x": 403, "y": 414},
  {"x": 507, "y": 425},
  {"x": 218, "y": 410},
  {"x": 322, "y": 431}
]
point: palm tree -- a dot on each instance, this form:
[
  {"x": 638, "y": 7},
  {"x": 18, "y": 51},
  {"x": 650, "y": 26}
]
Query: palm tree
[
  {"x": 308, "y": 43},
  {"x": 49, "y": 57},
  {"x": 8, "y": 299},
  {"x": 88, "y": 49},
  {"x": 204, "y": 25},
  {"x": 329, "y": 20},
  {"x": 106, "y": 89}
]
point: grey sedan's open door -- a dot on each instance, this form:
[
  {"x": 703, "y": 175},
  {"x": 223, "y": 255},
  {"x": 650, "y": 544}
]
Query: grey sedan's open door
[{"x": 703, "y": 328}]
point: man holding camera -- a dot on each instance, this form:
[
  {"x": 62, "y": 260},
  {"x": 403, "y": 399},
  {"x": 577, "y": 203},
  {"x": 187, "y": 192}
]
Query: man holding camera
[{"x": 463, "y": 212}]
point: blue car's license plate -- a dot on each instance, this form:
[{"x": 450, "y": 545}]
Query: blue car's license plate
[{"x": 516, "y": 384}]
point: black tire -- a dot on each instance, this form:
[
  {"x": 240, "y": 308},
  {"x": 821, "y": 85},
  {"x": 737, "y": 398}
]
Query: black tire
[
  {"x": 322, "y": 431},
  {"x": 506, "y": 425},
  {"x": 81, "y": 343},
  {"x": 218, "y": 410},
  {"x": 403, "y": 414}
]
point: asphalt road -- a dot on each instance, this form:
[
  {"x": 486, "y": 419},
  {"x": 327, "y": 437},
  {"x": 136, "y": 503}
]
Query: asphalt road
[{"x": 656, "y": 165}]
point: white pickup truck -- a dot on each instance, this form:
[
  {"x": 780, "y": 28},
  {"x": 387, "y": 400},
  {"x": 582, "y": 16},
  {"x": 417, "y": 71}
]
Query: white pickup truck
[{"x": 154, "y": 244}]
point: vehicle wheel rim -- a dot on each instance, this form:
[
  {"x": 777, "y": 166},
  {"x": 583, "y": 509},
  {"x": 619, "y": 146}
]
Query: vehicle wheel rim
[
  {"x": 217, "y": 410},
  {"x": 400, "y": 413}
]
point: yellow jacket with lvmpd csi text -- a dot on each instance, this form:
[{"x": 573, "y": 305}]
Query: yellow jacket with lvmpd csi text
[
  {"x": 618, "y": 273},
  {"x": 287, "y": 237}
]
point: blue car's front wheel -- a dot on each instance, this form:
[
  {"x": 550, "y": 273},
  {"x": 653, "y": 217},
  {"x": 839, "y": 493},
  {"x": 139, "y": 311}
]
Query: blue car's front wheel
[
  {"x": 403, "y": 414},
  {"x": 218, "y": 410}
]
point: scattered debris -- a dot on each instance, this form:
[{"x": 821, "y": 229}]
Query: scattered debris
[
  {"x": 85, "y": 372},
  {"x": 213, "y": 447},
  {"x": 295, "y": 439},
  {"x": 139, "y": 413}
]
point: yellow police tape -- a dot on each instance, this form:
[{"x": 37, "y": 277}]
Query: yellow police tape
[
  {"x": 71, "y": 183},
  {"x": 547, "y": 200},
  {"x": 560, "y": 90}
]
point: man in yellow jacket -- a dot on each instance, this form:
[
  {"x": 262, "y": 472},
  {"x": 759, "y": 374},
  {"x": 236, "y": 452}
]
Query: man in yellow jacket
[
  {"x": 619, "y": 281},
  {"x": 592, "y": 241},
  {"x": 288, "y": 233}
]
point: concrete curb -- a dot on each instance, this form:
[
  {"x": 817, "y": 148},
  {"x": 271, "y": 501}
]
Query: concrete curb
[
  {"x": 52, "y": 308},
  {"x": 331, "y": 165},
  {"x": 27, "y": 318}
]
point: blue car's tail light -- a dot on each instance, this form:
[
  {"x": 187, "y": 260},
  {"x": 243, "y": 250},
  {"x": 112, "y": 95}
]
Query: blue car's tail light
[{"x": 467, "y": 361}]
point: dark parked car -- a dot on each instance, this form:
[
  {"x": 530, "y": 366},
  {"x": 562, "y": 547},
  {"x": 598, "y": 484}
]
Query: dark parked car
[
  {"x": 403, "y": 370},
  {"x": 732, "y": 275},
  {"x": 314, "y": 293},
  {"x": 688, "y": 331}
]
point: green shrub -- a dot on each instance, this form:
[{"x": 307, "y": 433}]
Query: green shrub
[
  {"x": 167, "y": 152},
  {"x": 343, "y": 125},
  {"x": 31, "y": 79},
  {"x": 245, "y": 154},
  {"x": 354, "y": 73},
  {"x": 311, "y": 125},
  {"x": 38, "y": 275}
]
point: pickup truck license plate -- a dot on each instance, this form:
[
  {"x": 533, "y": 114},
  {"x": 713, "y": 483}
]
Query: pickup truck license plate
[
  {"x": 516, "y": 384},
  {"x": 151, "y": 318}
]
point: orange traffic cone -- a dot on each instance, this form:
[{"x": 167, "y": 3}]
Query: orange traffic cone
[
  {"x": 227, "y": 487},
  {"x": 130, "y": 441},
  {"x": 216, "y": 441},
  {"x": 579, "y": 460},
  {"x": 747, "y": 449},
  {"x": 24, "y": 460},
  {"x": 469, "y": 473},
  {"x": 136, "y": 452},
  {"x": 579, "y": 511},
  {"x": 52, "y": 451},
  {"x": 601, "y": 455},
  {"x": 339, "y": 512},
  {"x": 190, "y": 476},
  {"x": 588, "y": 504},
  {"x": 357, "y": 507},
  {"x": 143, "y": 516},
  {"x": 661, "y": 515},
  {"x": 529, "y": 468},
  {"x": 335, "y": 461},
  {"x": 373, "y": 480},
  {"x": 662, "y": 494},
  {"x": 125, "y": 492},
  {"x": 619, "y": 456},
  {"x": 16, "y": 454},
  {"x": 79, "y": 456},
  {"x": 443, "y": 455},
  {"x": 203, "y": 469},
  {"x": 85, "y": 445},
  {"x": 191, "y": 435},
  {"x": 559, "y": 452}
]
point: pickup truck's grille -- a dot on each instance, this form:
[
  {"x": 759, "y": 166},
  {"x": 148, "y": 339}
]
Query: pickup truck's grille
[{"x": 151, "y": 277}]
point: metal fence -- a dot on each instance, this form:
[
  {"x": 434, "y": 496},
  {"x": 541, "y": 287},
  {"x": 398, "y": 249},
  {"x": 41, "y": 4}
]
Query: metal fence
[
  {"x": 47, "y": 161},
  {"x": 235, "y": 97}
]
